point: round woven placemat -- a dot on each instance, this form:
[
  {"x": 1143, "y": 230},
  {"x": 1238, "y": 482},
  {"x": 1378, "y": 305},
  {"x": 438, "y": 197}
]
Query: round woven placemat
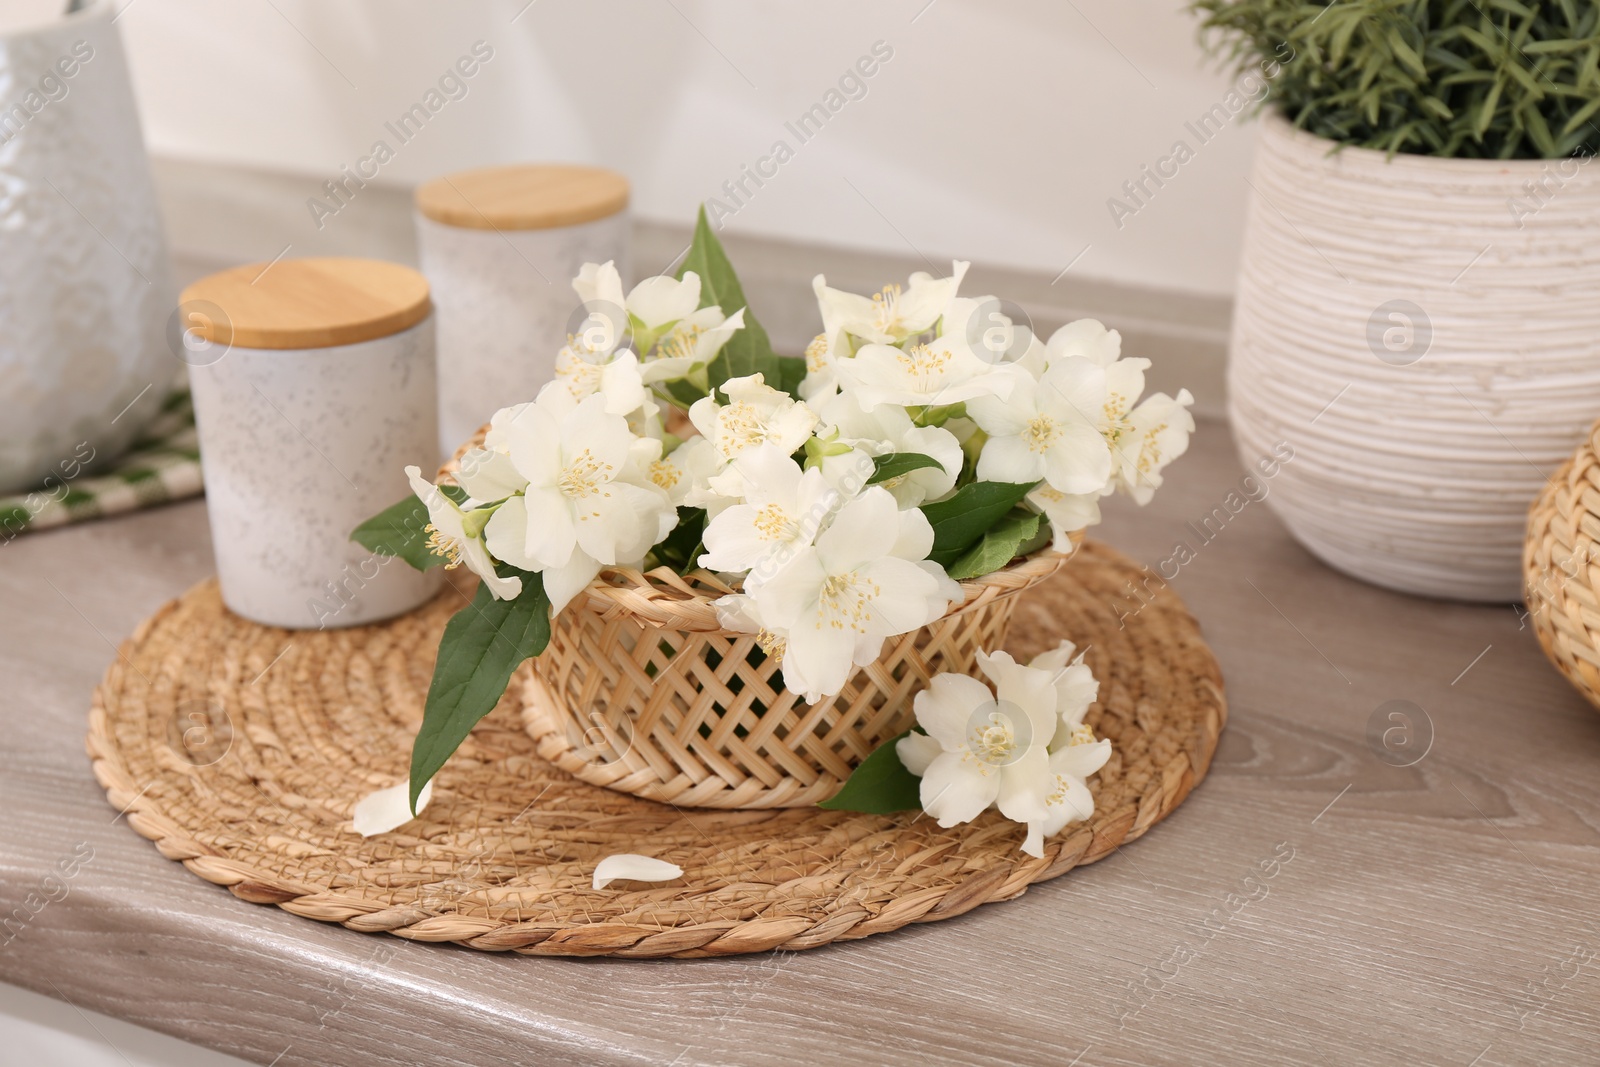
[{"x": 241, "y": 750}]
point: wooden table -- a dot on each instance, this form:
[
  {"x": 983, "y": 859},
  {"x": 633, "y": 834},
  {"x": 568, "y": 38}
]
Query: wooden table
[{"x": 1434, "y": 913}]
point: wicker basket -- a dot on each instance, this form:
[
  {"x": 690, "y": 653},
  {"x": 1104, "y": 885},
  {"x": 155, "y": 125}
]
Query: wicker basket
[
  {"x": 643, "y": 691},
  {"x": 1561, "y": 568}
]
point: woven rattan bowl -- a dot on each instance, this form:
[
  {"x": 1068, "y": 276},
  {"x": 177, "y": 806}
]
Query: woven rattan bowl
[
  {"x": 1561, "y": 568},
  {"x": 641, "y": 689}
]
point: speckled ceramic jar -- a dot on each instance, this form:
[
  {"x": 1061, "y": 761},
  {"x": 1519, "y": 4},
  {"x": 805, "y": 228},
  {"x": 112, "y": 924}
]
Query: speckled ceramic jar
[
  {"x": 500, "y": 247},
  {"x": 314, "y": 388}
]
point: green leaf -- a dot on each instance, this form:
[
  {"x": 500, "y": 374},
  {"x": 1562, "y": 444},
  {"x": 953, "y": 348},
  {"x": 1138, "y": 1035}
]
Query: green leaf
[
  {"x": 791, "y": 372},
  {"x": 1405, "y": 54},
  {"x": 482, "y": 645},
  {"x": 885, "y": 468},
  {"x": 401, "y": 530},
  {"x": 961, "y": 519},
  {"x": 748, "y": 351},
  {"x": 880, "y": 786},
  {"x": 998, "y": 547},
  {"x": 681, "y": 548}
]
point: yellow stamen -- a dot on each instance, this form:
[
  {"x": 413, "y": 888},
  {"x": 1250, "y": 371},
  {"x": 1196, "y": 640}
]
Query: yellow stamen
[
  {"x": 772, "y": 644},
  {"x": 665, "y": 474},
  {"x": 846, "y": 601},
  {"x": 993, "y": 742},
  {"x": 440, "y": 545},
  {"x": 886, "y": 308},
  {"x": 584, "y": 476},
  {"x": 739, "y": 425},
  {"x": 923, "y": 362},
  {"x": 1040, "y": 433},
  {"x": 817, "y": 354},
  {"x": 772, "y": 524}
]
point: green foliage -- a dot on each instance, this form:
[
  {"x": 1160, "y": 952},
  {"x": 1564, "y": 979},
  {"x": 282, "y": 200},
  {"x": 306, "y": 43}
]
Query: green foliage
[
  {"x": 401, "y": 530},
  {"x": 1001, "y": 544},
  {"x": 880, "y": 786},
  {"x": 1493, "y": 79},
  {"x": 886, "y": 468},
  {"x": 748, "y": 351},
  {"x": 681, "y": 549},
  {"x": 483, "y": 644},
  {"x": 791, "y": 372},
  {"x": 961, "y": 519}
]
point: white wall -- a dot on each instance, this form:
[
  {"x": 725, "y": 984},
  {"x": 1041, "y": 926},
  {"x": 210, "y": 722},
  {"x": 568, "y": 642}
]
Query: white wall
[{"x": 997, "y": 131}]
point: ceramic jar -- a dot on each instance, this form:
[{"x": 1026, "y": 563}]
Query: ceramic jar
[
  {"x": 85, "y": 286},
  {"x": 1424, "y": 334},
  {"x": 313, "y": 386},
  {"x": 500, "y": 247}
]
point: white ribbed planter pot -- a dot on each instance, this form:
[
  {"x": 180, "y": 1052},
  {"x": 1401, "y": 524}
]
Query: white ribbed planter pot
[{"x": 1430, "y": 356}]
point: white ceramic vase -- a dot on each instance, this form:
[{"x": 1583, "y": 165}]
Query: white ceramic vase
[
  {"x": 1425, "y": 334},
  {"x": 85, "y": 285}
]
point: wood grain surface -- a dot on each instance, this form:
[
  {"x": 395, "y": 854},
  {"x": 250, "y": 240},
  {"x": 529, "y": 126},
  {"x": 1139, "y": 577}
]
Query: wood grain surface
[
  {"x": 523, "y": 197},
  {"x": 1313, "y": 902},
  {"x": 317, "y": 302}
]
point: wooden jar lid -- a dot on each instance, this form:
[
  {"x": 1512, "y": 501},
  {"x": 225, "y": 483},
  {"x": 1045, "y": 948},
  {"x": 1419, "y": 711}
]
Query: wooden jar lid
[
  {"x": 307, "y": 303},
  {"x": 523, "y": 197}
]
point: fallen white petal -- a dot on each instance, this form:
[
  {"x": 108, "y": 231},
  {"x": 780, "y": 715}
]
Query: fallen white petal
[
  {"x": 389, "y": 809},
  {"x": 629, "y": 866}
]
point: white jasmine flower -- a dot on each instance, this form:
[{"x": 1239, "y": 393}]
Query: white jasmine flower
[
  {"x": 825, "y": 351},
  {"x": 1023, "y": 747},
  {"x": 656, "y": 303},
  {"x": 1144, "y": 440},
  {"x": 1086, "y": 382},
  {"x": 618, "y": 378},
  {"x": 599, "y": 286},
  {"x": 1048, "y": 432},
  {"x": 755, "y": 414},
  {"x": 1076, "y": 688},
  {"x": 992, "y": 334},
  {"x": 891, "y": 316},
  {"x": 942, "y": 371},
  {"x": 448, "y": 537},
  {"x": 691, "y": 343},
  {"x": 783, "y": 510},
  {"x": 689, "y": 466},
  {"x": 388, "y": 809},
  {"x": 487, "y": 474},
  {"x": 1087, "y": 338},
  {"x": 984, "y": 747},
  {"x": 740, "y": 613},
  {"x": 1069, "y": 799},
  {"x": 1075, "y": 754},
  {"x": 887, "y": 429},
  {"x": 578, "y": 513},
  {"x": 866, "y": 578},
  {"x": 1066, "y": 513},
  {"x": 652, "y": 307},
  {"x": 847, "y": 469}
]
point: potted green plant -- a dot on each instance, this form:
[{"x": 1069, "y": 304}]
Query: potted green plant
[{"x": 1419, "y": 293}]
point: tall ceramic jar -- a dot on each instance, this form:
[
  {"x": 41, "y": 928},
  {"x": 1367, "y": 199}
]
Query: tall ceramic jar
[
  {"x": 313, "y": 389},
  {"x": 1424, "y": 335},
  {"x": 500, "y": 246},
  {"x": 85, "y": 286}
]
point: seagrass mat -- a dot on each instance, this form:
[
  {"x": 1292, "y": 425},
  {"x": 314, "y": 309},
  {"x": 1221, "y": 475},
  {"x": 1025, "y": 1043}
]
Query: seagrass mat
[{"x": 241, "y": 750}]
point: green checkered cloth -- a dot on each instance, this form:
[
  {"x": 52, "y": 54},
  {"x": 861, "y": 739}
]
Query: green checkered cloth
[{"x": 162, "y": 464}]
